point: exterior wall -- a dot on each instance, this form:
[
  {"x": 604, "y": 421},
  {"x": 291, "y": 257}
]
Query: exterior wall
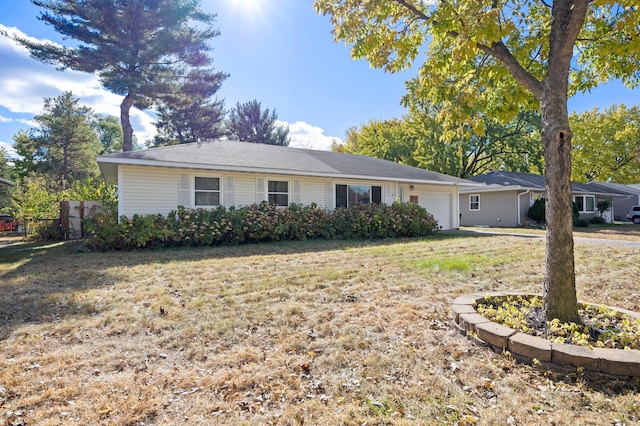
[
  {"x": 155, "y": 190},
  {"x": 607, "y": 215},
  {"x": 496, "y": 209},
  {"x": 147, "y": 190},
  {"x": 440, "y": 201},
  {"x": 621, "y": 207}
]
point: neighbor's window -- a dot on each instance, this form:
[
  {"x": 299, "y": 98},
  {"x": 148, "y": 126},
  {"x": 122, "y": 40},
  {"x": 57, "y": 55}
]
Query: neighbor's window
[
  {"x": 278, "y": 192},
  {"x": 207, "y": 191},
  {"x": 533, "y": 197},
  {"x": 350, "y": 195},
  {"x": 474, "y": 202},
  {"x": 585, "y": 203}
]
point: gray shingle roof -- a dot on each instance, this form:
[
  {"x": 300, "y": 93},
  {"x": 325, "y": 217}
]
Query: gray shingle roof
[
  {"x": 519, "y": 180},
  {"x": 503, "y": 180},
  {"x": 243, "y": 156}
]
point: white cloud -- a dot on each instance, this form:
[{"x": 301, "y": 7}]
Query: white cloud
[
  {"x": 8, "y": 148},
  {"x": 26, "y": 82},
  {"x": 304, "y": 135}
]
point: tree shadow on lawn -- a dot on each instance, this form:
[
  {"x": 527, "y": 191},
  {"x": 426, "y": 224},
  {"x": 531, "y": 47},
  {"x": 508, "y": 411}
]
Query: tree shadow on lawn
[{"x": 39, "y": 281}]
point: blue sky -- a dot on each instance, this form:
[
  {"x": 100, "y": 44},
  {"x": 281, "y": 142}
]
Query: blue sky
[{"x": 279, "y": 52}]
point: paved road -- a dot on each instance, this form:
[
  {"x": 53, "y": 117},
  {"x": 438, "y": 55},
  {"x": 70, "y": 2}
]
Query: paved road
[{"x": 582, "y": 240}]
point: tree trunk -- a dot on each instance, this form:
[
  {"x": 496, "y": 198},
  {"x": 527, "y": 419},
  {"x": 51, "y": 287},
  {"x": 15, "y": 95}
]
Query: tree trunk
[
  {"x": 127, "y": 129},
  {"x": 560, "y": 300}
]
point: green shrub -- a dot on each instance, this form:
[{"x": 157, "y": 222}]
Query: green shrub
[
  {"x": 537, "y": 212},
  {"x": 581, "y": 223},
  {"x": 261, "y": 223}
]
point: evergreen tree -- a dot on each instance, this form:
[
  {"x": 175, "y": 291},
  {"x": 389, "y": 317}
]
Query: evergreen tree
[
  {"x": 190, "y": 112},
  {"x": 138, "y": 48},
  {"x": 64, "y": 146},
  {"x": 248, "y": 123}
]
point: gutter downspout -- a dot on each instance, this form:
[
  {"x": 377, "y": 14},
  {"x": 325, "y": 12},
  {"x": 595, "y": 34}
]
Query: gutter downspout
[{"x": 518, "y": 208}]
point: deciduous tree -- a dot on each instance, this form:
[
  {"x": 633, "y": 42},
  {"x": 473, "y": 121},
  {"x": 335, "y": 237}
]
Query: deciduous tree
[
  {"x": 138, "y": 48},
  {"x": 109, "y": 132},
  {"x": 388, "y": 139},
  {"x": 5, "y": 173},
  {"x": 606, "y": 145},
  {"x": 417, "y": 140},
  {"x": 498, "y": 57}
]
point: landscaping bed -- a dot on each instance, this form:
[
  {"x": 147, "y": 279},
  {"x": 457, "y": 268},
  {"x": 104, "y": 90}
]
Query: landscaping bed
[{"x": 606, "y": 342}]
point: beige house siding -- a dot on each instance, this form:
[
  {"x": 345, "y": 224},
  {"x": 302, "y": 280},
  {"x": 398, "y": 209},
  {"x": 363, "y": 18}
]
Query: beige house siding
[{"x": 153, "y": 190}]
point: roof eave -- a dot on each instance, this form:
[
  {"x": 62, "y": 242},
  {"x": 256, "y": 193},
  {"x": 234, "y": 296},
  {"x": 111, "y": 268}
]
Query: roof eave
[{"x": 109, "y": 167}]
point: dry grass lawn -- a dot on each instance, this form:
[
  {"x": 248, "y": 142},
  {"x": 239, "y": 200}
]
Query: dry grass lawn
[{"x": 311, "y": 333}]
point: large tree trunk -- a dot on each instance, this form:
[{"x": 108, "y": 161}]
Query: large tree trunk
[
  {"x": 127, "y": 129},
  {"x": 560, "y": 299}
]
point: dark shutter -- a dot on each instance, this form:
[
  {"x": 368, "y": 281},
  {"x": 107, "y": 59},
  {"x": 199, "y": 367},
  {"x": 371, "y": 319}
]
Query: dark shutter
[
  {"x": 376, "y": 194},
  {"x": 341, "y": 196}
]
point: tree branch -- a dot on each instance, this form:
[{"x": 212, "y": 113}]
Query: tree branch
[{"x": 497, "y": 50}]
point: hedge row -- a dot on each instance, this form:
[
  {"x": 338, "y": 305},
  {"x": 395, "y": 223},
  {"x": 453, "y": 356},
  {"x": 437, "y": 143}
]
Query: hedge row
[{"x": 262, "y": 223}]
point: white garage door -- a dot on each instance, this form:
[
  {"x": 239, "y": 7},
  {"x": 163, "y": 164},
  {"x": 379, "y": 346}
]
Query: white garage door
[{"x": 439, "y": 205}]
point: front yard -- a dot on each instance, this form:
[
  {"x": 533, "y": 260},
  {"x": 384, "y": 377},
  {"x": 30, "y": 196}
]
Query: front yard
[{"x": 321, "y": 332}]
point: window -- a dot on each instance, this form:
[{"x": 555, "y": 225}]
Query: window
[
  {"x": 401, "y": 193},
  {"x": 585, "y": 203},
  {"x": 533, "y": 197},
  {"x": 278, "y": 192},
  {"x": 207, "y": 191},
  {"x": 350, "y": 195},
  {"x": 474, "y": 202}
]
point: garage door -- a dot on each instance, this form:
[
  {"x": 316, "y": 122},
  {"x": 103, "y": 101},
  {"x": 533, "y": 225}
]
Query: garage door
[{"x": 439, "y": 205}]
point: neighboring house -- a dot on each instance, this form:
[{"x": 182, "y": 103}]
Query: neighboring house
[
  {"x": 622, "y": 205},
  {"x": 505, "y": 198},
  {"x": 231, "y": 173}
]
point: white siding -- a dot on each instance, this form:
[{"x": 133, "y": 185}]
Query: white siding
[
  {"x": 439, "y": 205},
  {"x": 149, "y": 190},
  {"x": 312, "y": 190},
  {"x": 245, "y": 191},
  {"x": 440, "y": 201}
]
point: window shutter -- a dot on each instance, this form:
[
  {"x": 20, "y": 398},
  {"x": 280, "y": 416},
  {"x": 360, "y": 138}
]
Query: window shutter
[
  {"x": 184, "y": 190},
  {"x": 295, "y": 194},
  {"x": 260, "y": 192},
  {"x": 388, "y": 197},
  {"x": 229, "y": 191},
  {"x": 328, "y": 196}
]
